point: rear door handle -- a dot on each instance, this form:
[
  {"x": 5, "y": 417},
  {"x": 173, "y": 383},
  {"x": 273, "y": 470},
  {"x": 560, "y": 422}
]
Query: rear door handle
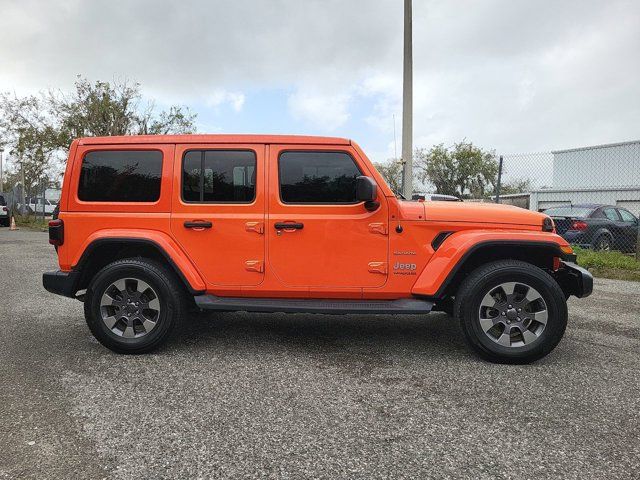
[
  {"x": 198, "y": 224},
  {"x": 288, "y": 226}
]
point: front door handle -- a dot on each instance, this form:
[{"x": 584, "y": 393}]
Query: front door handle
[
  {"x": 198, "y": 224},
  {"x": 288, "y": 226}
]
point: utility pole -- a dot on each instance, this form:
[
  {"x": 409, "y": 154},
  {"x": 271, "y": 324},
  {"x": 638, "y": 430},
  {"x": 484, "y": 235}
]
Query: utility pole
[
  {"x": 1, "y": 172},
  {"x": 23, "y": 204},
  {"x": 407, "y": 104},
  {"x": 499, "y": 182}
]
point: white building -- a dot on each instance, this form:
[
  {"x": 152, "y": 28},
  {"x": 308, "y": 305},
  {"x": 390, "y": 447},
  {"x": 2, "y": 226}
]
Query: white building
[{"x": 607, "y": 174}]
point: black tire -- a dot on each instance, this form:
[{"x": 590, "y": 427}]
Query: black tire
[
  {"x": 170, "y": 294},
  {"x": 486, "y": 278},
  {"x": 5, "y": 222},
  {"x": 603, "y": 242}
]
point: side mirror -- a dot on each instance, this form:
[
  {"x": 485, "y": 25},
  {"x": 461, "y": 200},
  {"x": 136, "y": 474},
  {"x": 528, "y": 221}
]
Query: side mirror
[{"x": 367, "y": 191}]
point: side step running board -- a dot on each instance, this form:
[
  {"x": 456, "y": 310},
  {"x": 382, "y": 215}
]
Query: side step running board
[{"x": 303, "y": 305}]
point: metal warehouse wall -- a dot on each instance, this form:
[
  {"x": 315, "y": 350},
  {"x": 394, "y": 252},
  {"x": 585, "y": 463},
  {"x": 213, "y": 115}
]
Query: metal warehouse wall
[{"x": 604, "y": 166}]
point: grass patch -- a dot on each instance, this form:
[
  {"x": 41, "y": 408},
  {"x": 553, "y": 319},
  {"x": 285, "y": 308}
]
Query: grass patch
[
  {"x": 31, "y": 222},
  {"x": 612, "y": 264}
]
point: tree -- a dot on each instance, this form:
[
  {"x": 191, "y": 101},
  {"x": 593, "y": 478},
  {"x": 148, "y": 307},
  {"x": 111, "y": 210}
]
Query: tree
[
  {"x": 30, "y": 132},
  {"x": 519, "y": 185},
  {"x": 463, "y": 170},
  {"x": 392, "y": 173},
  {"x": 38, "y": 129},
  {"x": 106, "y": 109}
]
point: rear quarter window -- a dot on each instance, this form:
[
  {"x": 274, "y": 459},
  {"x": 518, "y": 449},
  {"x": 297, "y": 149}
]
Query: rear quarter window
[{"x": 120, "y": 176}]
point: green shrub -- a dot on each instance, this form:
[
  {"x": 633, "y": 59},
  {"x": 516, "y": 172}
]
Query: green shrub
[{"x": 611, "y": 264}]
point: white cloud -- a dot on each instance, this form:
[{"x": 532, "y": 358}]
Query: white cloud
[
  {"x": 220, "y": 97},
  {"x": 514, "y": 75},
  {"x": 324, "y": 111}
]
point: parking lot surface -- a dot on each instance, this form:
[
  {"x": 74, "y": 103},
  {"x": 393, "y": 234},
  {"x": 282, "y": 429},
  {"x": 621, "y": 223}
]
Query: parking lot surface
[{"x": 309, "y": 396}]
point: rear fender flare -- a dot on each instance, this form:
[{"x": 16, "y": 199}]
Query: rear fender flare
[{"x": 174, "y": 255}]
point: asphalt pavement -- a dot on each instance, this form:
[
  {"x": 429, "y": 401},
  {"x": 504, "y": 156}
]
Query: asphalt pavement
[{"x": 309, "y": 396}]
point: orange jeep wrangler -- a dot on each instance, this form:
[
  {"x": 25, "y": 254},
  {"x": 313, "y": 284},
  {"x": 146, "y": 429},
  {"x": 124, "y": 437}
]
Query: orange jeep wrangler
[{"x": 150, "y": 226}]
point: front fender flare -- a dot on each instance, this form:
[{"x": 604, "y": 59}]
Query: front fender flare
[{"x": 458, "y": 247}]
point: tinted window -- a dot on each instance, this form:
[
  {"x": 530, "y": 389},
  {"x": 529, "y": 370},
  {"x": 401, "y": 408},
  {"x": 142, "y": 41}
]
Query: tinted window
[
  {"x": 568, "y": 211},
  {"x": 611, "y": 214},
  {"x": 627, "y": 216},
  {"x": 120, "y": 176},
  {"x": 317, "y": 177},
  {"x": 219, "y": 176},
  {"x": 2, "y": 200}
]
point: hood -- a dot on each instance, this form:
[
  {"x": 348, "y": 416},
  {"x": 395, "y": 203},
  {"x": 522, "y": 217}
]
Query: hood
[{"x": 478, "y": 212}]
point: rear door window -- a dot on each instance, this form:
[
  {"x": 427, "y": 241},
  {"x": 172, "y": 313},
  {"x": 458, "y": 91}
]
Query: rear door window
[
  {"x": 120, "y": 176},
  {"x": 317, "y": 177},
  {"x": 219, "y": 176},
  {"x": 627, "y": 217},
  {"x": 611, "y": 214}
]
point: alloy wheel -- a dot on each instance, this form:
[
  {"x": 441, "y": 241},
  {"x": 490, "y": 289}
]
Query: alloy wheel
[
  {"x": 604, "y": 244},
  {"x": 513, "y": 314},
  {"x": 130, "y": 308}
]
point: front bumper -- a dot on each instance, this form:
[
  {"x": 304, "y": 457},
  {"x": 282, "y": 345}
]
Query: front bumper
[
  {"x": 61, "y": 283},
  {"x": 574, "y": 280}
]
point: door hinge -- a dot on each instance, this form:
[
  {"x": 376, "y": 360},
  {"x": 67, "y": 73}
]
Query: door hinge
[
  {"x": 378, "y": 267},
  {"x": 380, "y": 228},
  {"x": 254, "y": 266},
  {"x": 257, "y": 227}
]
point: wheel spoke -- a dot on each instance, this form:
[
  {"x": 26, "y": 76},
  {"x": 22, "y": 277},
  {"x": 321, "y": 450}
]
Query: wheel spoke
[
  {"x": 120, "y": 285},
  {"x": 110, "y": 321},
  {"x": 488, "y": 301},
  {"x": 148, "y": 325},
  {"x": 143, "y": 286},
  {"x": 154, "y": 304},
  {"x": 532, "y": 295},
  {"x": 486, "y": 324},
  {"x": 528, "y": 336},
  {"x": 129, "y": 332},
  {"x": 540, "y": 316},
  {"x": 509, "y": 287},
  {"x": 505, "y": 338},
  {"x": 107, "y": 300}
]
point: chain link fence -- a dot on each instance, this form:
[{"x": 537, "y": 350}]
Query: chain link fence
[
  {"x": 592, "y": 193},
  {"x": 39, "y": 205}
]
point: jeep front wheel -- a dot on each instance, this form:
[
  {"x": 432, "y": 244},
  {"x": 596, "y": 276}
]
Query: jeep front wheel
[
  {"x": 511, "y": 312},
  {"x": 133, "y": 305}
]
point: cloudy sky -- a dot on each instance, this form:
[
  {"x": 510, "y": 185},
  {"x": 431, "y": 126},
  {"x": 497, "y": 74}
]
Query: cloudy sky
[{"x": 514, "y": 76}]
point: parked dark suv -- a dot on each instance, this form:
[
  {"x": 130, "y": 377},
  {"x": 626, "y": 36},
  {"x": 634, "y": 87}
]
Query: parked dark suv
[{"x": 601, "y": 227}]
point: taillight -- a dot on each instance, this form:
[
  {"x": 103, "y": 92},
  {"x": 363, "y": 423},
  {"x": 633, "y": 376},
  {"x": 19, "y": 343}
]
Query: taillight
[
  {"x": 56, "y": 232},
  {"x": 5, "y": 209},
  {"x": 579, "y": 225}
]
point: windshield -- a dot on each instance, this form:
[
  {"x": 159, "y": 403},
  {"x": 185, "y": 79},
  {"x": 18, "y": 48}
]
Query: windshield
[
  {"x": 569, "y": 211},
  {"x": 2, "y": 201}
]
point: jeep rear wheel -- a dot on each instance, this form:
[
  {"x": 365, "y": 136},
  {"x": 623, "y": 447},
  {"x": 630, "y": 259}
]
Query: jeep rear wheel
[
  {"x": 133, "y": 305},
  {"x": 511, "y": 312}
]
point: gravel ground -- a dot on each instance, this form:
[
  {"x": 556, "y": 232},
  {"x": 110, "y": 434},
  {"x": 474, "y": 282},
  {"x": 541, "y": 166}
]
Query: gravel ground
[{"x": 301, "y": 396}]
